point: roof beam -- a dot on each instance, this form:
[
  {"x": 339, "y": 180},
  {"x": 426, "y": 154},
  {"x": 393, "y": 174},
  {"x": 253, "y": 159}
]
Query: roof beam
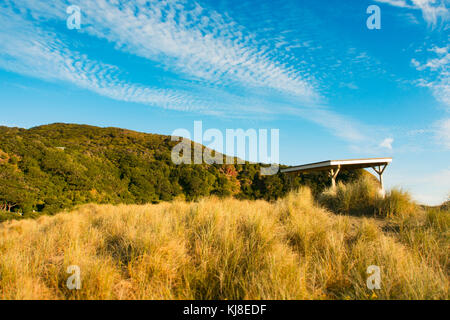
[{"x": 343, "y": 164}]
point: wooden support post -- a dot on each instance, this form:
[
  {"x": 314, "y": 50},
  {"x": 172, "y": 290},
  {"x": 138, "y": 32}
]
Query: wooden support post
[
  {"x": 380, "y": 171},
  {"x": 333, "y": 175},
  {"x": 333, "y": 181}
]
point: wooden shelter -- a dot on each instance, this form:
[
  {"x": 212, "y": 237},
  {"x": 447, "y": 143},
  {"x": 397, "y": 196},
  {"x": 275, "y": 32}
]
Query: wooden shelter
[{"x": 334, "y": 166}]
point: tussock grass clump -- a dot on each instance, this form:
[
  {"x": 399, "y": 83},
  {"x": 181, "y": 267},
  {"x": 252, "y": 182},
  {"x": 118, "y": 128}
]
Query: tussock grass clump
[
  {"x": 362, "y": 198},
  {"x": 223, "y": 249},
  {"x": 427, "y": 233}
]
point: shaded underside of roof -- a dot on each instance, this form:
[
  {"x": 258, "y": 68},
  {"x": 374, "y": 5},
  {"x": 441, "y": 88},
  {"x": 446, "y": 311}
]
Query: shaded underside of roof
[{"x": 342, "y": 164}]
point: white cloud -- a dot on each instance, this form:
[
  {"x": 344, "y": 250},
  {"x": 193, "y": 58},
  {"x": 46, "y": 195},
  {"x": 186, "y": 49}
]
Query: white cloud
[
  {"x": 437, "y": 63},
  {"x": 416, "y": 132},
  {"x": 387, "y": 143},
  {"x": 432, "y": 10},
  {"x": 396, "y": 3},
  {"x": 183, "y": 37},
  {"x": 415, "y": 63},
  {"x": 337, "y": 124},
  {"x": 349, "y": 85},
  {"x": 188, "y": 38},
  {"x": 441, "y": 90},
  {"x": 438, "y": 68},
  {"x": 442, "y": 130},
  {"x": 438, "y": 50},
  {"x": 30, "y": 51}
]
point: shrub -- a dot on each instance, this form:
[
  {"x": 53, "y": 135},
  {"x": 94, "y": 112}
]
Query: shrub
[
  {"x": 362, "y": 198},
  {"x": 397, "y": 203}
]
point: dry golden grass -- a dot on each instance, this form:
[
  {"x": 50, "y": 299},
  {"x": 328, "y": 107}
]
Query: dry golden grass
[
  {"x": 224, "y": 249},
  {"x": 362, "y": 198}
]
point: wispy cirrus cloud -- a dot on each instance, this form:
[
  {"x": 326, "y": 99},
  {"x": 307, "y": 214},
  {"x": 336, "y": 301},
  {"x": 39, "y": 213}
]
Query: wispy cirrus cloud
[
  {"x": 436, "y": 69},
  {"x": 432, "y": 10},
  {"x": 397, "y": 3},
  {"x": 30, "y": 51},
  {"x": 442, "y": 132},
  {"x": 434, "y": 63},
  {"x": 187, "y": 38},
  {"x": 436, "y": 77},
  {"x": 436, "y": 73},
  {"x": 193, "y": 42}
]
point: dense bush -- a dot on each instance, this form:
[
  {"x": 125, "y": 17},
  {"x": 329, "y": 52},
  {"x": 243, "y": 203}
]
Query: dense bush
[{"x": 53, "y": 167}]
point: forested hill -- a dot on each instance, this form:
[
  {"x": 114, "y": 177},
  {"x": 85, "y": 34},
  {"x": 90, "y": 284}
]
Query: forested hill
[{"x": 52, "y": 167}]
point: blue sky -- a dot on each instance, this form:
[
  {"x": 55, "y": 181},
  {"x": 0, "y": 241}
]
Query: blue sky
[{"x": 311, "y": 69}]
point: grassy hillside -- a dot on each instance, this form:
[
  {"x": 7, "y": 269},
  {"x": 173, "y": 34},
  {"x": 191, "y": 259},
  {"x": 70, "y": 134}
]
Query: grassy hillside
[
  {"x": 229, "y": 249},
  {"x": 53, "y": 167}
]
